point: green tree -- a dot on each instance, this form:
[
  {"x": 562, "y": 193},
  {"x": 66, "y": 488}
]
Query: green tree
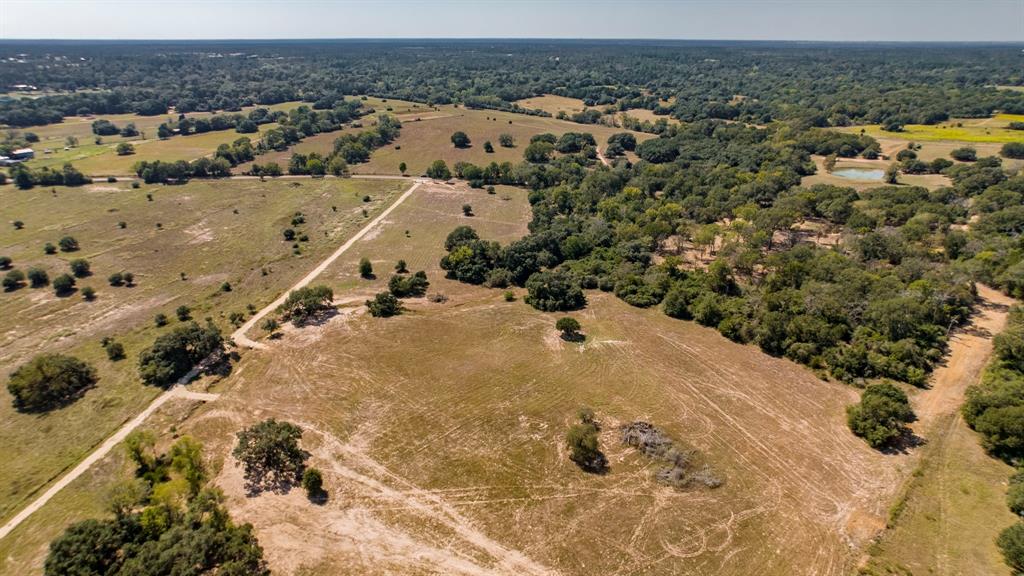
[
  {"x": 460, "y": 139},
  {"x": 313, "y": 483},
  {"x": 365, "y": 267},
  {"x": 1011, "y": 544},
  {"x": 438, "y": 170},
  {"x": 79, "y": 267},
  {"x": 402, "y": 168},
  {"x": 584, "y": 447},
  {"x": 183, "y": 313},
  {"x": 488, "y": 147},
  {"x": 68, "y": 244},
  {"x": 49, "y": 381},
  {"x": 13, "y": 280},
  {"x": 270, "y": 452},
  {"x": 881, "y": 415},
  {"x": 384, "y": 305},
  {"x": 506, "y": 140},
  {"x": 569, "y": 327},
  {"x": 306, "y": 303},
  {"x": 554, "y": 292},
  {"x": 125, "y": 149},
  {"x": 892, "y": 174},
  {"x": 174, "y": 354},
  {"x": 63, "y": 285},
  {"x": 38, "y": 277}
]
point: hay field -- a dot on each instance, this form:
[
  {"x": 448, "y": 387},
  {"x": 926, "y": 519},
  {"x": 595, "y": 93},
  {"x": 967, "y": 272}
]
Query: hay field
[
  {"x": 201, "y": 235},
  {"x": 440, "y": 433}
]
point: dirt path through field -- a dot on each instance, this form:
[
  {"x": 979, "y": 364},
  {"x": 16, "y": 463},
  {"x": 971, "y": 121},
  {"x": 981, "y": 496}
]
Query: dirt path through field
[
  {"x": 969, "y": 352},
  {"x": 239, "y": 336},
  {"x": 172, "y": 393}
]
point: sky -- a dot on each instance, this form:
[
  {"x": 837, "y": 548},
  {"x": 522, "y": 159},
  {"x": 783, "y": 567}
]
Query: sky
[{"x": 846, "y": 20}]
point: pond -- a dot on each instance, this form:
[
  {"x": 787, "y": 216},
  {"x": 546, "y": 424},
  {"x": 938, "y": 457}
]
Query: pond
[{"x": 859, "y": 173}]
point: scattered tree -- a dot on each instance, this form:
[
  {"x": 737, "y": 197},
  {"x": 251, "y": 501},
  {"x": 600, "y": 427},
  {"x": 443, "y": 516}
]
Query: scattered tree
[
  {"x": 38, "y": 277},
  {"x": 365, "y": 268},
  {"x": 63, "y": 285},
  {"x": 79, "y": 267},
  {"x": 306, "y": 303},
  {"x": 460, "y": 139},
  {"x": 881, "y": 416},
  {"x": 270, "y": 453},
  {"x": 384, "y": 305},
  {"x": 68, "y": 244},
  {"x": 49, "y": 381},
  {"x": 174, "y": 354},
  {"x": 438, "y": 170},
  {"x": 570, "y": 328}
]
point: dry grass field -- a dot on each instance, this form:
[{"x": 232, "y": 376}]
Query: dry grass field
[
  {"x": 553, "y": 104},
  {"x": 429, "y": 138},
  {"x": 212, "y": 231},
  {"x": 441, "y": 432}
]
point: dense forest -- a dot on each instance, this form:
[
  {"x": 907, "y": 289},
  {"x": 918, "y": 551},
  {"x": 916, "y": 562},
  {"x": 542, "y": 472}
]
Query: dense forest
[{"x": 821, "y": 84}]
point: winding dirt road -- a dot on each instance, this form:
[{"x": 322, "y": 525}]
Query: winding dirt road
[{"x": 176, "y": 391}]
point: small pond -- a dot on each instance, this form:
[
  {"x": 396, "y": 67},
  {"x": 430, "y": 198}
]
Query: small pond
[{"x": 859, "y": 173}]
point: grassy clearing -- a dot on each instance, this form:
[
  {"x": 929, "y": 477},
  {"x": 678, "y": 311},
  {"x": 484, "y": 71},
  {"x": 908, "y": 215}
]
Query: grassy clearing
[
  {"x": 553, "y": 104},
  {"x": 200, "y": 235},
  {"x": 429, "y": 139},
  {"x": 930, "y": 181},
  {"x": 970, "y": 130},
  {"x": 461, "y": 408},
  {"x": 954, "y": 509}
]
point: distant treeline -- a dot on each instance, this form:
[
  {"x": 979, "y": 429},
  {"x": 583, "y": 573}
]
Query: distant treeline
[{"x": 826, "y": 84}]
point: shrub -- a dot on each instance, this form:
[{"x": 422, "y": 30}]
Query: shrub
[
  {"x": 160, "y": 320},
  {"x": 506, "y": 140},
  {"x": 467, "y": 210},
  {"x": 129, "y": 278},
  {"x": 89, "y": 293},
  {"x": 49, "y": 381},
  {"x": 116, "y": 279},
  {"x": 584, "y": 448},
  {"x": 569, "y": 327},
  {"x": 307, "y": 302},
  {"x": 510, "y": 296},
  {"x": 13, "y": 280},
  {"x": 5, "y": 262},
  {"x": 365, "y": 268},
  {"x": 225, "y": 287},
  {"x": 115, "y": 351},
  {"x": 63, "y": 285},
  {"x": 460, "y": 139},
  {"x": 49, "y": 248},
  {"x": 488, "y": 147},
  {"x": 384, "y": 305},
  {"x": 401, "y": 267},
  {"x": 313, "y": 483},
  {"x": 964, "y": 154},
  {"x": 1012, "y": 150},
  {"x": 38, "y": 277},
  {"x": 288, "y": 234},
  {"x": 68, "y": 244},
  {"x": 270, "y": 453},
  {"x": 881, "y": 415},
  {"x": 406, "y": 286},
  {"x": 79, "y": 267},
  {"x": 183, "y": 313}
]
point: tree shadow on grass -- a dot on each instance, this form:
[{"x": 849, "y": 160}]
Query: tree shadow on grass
[{"x": 903, "y": 444}]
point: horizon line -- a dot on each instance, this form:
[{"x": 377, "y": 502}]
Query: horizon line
[{"x": 508, "y": 38}]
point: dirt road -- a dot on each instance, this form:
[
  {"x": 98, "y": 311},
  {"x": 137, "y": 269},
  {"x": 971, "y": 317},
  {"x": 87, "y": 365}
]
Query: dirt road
[
  {"x": 178, "y": 392},
  {"x": 239, "y": 336},
  {"x": 172, "y": 393},
  {"x": 969, "y": 352}
]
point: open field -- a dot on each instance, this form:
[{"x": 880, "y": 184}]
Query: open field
[
  {"x": 553, "y": 104},
  {"x": 201, "y": 235},
  {"x": 972, "y": 130},
  {"x": 429, "y": 139},
  {"x": 644, "y": 114},
  {"x": 101, "y": 159},
  {"x": 440, "y": 433},
  {"x": 955, "y": 504}
]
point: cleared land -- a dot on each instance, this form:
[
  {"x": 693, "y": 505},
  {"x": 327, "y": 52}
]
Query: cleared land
[
  {"x": 201, "y": 235},
  {"x": 429, "y": 138},
  {"x": 553, "y": 104},
  {"x": 440, "y": 432}
]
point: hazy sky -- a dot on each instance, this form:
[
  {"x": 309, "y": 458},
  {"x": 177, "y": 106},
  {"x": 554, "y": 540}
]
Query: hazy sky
[{"x": 846, "y": 20}]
